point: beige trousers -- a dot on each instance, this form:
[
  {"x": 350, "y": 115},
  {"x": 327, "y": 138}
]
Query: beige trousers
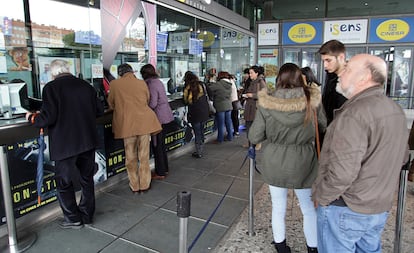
[{"x": 137, "y": 161}]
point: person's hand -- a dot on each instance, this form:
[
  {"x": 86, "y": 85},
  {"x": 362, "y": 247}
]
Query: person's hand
[
  {"x": 315, "y": 203},
  {"x": 28, "y": 114}
]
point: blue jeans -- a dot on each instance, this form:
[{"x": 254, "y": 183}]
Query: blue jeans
[
  {"x": 198, "y": 129},
  {"x": 223, "y": 120},
  {"x": 342, "y": 230}
]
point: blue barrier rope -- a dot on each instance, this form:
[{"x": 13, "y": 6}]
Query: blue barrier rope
[{"x": 219, "y": 204}]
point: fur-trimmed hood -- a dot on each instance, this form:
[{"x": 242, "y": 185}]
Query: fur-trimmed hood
[
  {"x": 288, "y": 106},
  {"x": 288, "y": 100}
]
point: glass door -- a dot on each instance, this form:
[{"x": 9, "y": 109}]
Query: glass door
[
  {"x": 304, "y": 57},
  {"x": 400, "y": 68},
  {"x": 351, "y": 51},
  {"x": 312, "y": 59},
  {"x": 291, "y": 55}
]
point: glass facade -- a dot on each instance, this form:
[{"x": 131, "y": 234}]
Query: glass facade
[
  {"x": 73, "y": 31},
  {"x": 70, "y": 32}
]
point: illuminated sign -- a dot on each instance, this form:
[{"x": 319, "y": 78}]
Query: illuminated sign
[
  {"x": 384, "y": 30},
  {"x": 268, "y": 34},
  {"x": 346, "y": 31},
  {"x": 392, "y": 30},
  {"x": 302, "y": 33}
]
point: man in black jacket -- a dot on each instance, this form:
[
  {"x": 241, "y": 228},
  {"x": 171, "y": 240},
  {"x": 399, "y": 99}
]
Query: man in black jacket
[
  {"x": 69, "y": 110},
  {"x": 333, "y": 56}
]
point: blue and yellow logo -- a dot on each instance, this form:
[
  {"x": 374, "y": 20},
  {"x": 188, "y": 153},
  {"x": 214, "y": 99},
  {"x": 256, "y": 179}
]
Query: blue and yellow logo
[
  {"x": 302, "y": 33},
  {"x": 393, "y": 29}
]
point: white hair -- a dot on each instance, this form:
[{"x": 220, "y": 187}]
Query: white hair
[{"x": 58, "y": 67}]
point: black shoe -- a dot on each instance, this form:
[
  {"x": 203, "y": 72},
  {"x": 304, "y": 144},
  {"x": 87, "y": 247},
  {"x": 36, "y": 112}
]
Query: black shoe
[
  {"x": 196, "y": 155},
  {"x": 281, "y": 247},
  {"x": 145, "y": 191},
  {"x": 312, "y": 249},
  {"x": 86, "y": 220},
  {"x": 73, "y": 225}
]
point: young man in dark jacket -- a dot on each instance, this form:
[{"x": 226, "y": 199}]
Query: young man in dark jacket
[{"x": 333, "y": 57}]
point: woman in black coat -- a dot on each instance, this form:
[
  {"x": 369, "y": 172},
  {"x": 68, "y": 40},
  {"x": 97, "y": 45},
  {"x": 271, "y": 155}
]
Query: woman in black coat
[{"x": 198, "y": 111}]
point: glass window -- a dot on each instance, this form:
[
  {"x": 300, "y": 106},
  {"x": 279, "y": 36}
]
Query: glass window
[
  {"x": 71, "y": 32},
  {"x": 14, "y": 54},
  {"x": 197, "y": 45}
]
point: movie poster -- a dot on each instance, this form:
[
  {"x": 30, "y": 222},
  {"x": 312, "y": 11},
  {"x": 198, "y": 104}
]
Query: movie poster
[
  {"x": 114, "y": 152},
  {"x": 22, "y": 162}
]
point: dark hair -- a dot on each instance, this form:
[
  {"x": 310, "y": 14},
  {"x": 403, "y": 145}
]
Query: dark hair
[
  {"x": 223, "y": 74},
  {"x": 261, "y": 70},
  {"x": 108, "y": 75},
  {"x": 290, "y": 77},
  {"x": 310, "y": 77},
  {"x": 255, "y": 68},
  {"x": 17, "y": 80},
  {"x": 246, "y": 71},
  {"x": 124, "y": 68},
  {"x": 332, "y": 47},
  {"x": 148, "y": 71},
  {"x": 211, "y": 72},
  {"x": 189, "y": 77},
  {"x": 192, "y": 81}
]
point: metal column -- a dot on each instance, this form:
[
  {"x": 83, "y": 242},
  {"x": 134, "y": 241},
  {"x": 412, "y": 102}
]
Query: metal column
[{"x": 27, "y": 242}]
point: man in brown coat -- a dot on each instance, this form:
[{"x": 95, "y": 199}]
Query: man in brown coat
[{"x": 134, "y": 122}]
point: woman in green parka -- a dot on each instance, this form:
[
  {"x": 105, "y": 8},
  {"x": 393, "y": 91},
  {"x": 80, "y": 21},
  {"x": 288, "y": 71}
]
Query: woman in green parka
[{"x": 286, "y": 120}]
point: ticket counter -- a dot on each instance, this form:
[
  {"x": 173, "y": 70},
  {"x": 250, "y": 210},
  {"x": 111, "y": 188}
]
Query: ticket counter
[{"x": 20, "y": 141}]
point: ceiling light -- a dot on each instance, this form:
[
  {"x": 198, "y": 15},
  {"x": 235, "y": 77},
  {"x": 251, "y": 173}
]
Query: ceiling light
[{"x": 366, "y": 4}]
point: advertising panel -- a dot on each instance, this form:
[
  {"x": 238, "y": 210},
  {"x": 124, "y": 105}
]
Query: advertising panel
[
  {"x": 268, "y": 58},
  {"x": 268, "y": 34},
  {"x": 114, "y": 152},
  {"x": 346, "y": 31},
  {"x": 22, "y": 162},
  {"x": 302, "y": 33},
  {"x": 389, "y": 30}
]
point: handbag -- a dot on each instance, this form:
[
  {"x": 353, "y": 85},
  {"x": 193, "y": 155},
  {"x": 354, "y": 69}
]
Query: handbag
[
  {"x": 211, "y": 107},
  {"x": 236, "y": 105}
]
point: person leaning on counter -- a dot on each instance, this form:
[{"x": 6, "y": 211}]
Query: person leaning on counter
[{"x": 69, "y": 110}]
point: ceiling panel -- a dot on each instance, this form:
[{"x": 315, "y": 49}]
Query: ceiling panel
[{"x": 296, "y": 9}]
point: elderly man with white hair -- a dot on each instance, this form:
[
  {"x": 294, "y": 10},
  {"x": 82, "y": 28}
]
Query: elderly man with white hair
[{"x": 363, "y": 151}]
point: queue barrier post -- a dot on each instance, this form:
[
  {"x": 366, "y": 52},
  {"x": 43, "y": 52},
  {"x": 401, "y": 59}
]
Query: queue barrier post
[
  {"x": 252, "y": 157},
  {"x": 400, "y": 207},
  {"x": 183, "y": 212}
]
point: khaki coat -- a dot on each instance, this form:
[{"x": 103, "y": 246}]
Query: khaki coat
[{"x": 129, "y": 98}]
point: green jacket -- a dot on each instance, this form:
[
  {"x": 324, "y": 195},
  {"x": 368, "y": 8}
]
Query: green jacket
[
  {"x": 221, "y": 95},
  {"x": 289, "y": 158}
]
